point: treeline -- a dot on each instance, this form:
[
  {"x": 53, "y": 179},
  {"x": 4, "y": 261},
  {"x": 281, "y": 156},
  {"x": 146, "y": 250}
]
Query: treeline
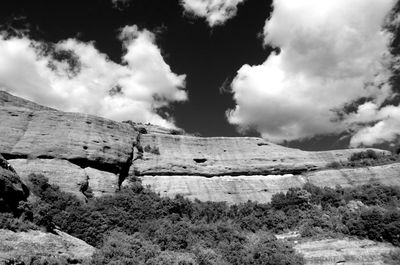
[{"x": 178, "y": 231}]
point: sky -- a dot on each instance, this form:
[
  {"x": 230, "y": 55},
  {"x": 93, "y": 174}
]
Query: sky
[{"x": 309, "y": 74}]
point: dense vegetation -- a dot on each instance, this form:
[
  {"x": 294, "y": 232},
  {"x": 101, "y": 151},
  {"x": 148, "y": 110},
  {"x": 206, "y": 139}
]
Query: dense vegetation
[
  {"x": 178, "y": 231},
  {"x": 366, "y": 158}
]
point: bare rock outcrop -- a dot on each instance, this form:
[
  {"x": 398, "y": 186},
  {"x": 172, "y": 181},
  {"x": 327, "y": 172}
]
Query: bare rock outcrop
[
  {"x": 237, "y": 189},
  {"x": 344, "y": 251},
  {"x": 36, "y": 245},
  {"x": 85, "y": 140},
  {"x": 68, "y": 148},
  {"x": 220, "y": 156},
  {"x": 82, "y": 153},
  {"x": 59, "y": 172},
  {"x": 385, "y": 174},
  {"x": 12, "y": 190},
  {"x": 232, "y": 189}
]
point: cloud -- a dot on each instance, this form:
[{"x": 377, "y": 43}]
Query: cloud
[
  {"x": 216, "y": 12},
  {"x": 332, "y": 54},
  {"x": 385, "y": 129},
  {"x": 74, "y": 76}
]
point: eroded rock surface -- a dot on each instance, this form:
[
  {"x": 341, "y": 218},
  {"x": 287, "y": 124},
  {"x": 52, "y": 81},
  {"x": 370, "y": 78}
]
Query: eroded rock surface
[
  {"x": 12, "y": 190},
  {"x": 385, "y": 174},
  {"x": 232, "y": 189},
  {"x": 80, "y": 153},
  {"x": 344, "y": 251},
  {"x": 84, "y": 140},
  {"x": 68, "y": 148},
  {"x": 237, "y": 189},
  {"x": 59, "y": 172},
  {"x": 34, "y": 245},
  {"x": 217, "y": 156}
]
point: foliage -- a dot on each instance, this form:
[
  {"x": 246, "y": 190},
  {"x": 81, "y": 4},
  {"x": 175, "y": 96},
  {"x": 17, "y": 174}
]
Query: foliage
[
  {"x": 369, "y": 154},
  {"x": 365, "y": 158},
  {"x": 153, "y": 150},
  {"x": 334, "y": 165},
  {"x": 137, "y": 226}
]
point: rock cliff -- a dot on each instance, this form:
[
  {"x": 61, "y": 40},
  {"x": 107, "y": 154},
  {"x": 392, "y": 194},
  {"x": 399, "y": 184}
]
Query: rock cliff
[
  {"x": 12, "y": 190},
  {"x": 78, "y": 152}
]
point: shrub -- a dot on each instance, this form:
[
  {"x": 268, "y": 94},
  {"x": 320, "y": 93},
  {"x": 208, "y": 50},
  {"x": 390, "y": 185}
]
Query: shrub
[
  {"x": 334, "y": 165},
  {"x": 269, "y": 250},
  {"x": 120, "y": 248},
  {"x": 173, "y": 258},
  {"x": 156, "y": 230},
  {"x": 369, "y": 154},
  {"x": 10, "y": 222},
  {"x": 153, "y": 150}
]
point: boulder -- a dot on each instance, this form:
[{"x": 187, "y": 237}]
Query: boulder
[
  {"x": 12, "y": 190},
  {"x": 37, "y": 245},
  {"x": 343, "y": 251}
]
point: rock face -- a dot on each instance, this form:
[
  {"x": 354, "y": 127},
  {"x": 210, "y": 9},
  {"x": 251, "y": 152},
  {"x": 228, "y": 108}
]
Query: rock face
[
  {"x": 81, "y": 152},
  {"x": 237, "y": 189},
  {"x": 239, "y": 169},
  {"x": 68, "y": 148},
  {"x": 218, "y": 156},
  {"x": 12, "y": 190},
  {"x": 344, "y": 251},
  {"x": 35, "y": 245}
]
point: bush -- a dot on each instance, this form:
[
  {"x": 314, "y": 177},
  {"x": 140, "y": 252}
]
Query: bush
[
  {"x": 369, "y": 154},
  {"x": 120, "y": 249},
  {"x": 10, "y": 222},
  {"x": 269, "y": 250},
  {"x": 153, "y": 150},
  {"x": 334, "y": 165},
  {"x": 155, "y": 230}
]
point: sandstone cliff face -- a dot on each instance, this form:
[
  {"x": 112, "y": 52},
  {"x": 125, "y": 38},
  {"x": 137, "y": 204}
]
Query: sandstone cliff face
[
  {"x": 216, "y": 156},
  {"x": 12, "y": 190},
  {"x": 69, "y": 148},
  {"x": 35, "y": 245},
  {"x": 344, "y": 251},
  {"x": 239, "y": 169},
  {"x": 80, "y": 152},
  {"x": 237, "y": 189}
]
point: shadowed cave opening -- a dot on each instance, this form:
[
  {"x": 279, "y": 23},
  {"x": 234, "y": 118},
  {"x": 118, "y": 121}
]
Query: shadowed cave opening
[{"x": 199, "y": 160}]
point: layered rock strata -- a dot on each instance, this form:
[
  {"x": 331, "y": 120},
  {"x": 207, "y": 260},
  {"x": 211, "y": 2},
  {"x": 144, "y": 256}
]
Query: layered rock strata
[
  {"x": 81, "y": 152},
  {"x": 237, "y": 189}
]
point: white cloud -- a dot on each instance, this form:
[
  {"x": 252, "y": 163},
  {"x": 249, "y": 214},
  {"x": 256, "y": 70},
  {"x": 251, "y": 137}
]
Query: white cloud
[
  {"x": 386, "y": 128},
  {"x": 332, "y": 53},
  {"x": 216, "y": 12},
  {"x": 143, "y": 83}
]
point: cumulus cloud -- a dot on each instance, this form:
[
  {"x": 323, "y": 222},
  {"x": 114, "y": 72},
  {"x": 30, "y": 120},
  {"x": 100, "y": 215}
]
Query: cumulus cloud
[
  {"x": 74, "y": 76},
  {"x": 333, "y": 54},
  {"x": 216, "y": 12},
  {"x": 385, "y": 127}
]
